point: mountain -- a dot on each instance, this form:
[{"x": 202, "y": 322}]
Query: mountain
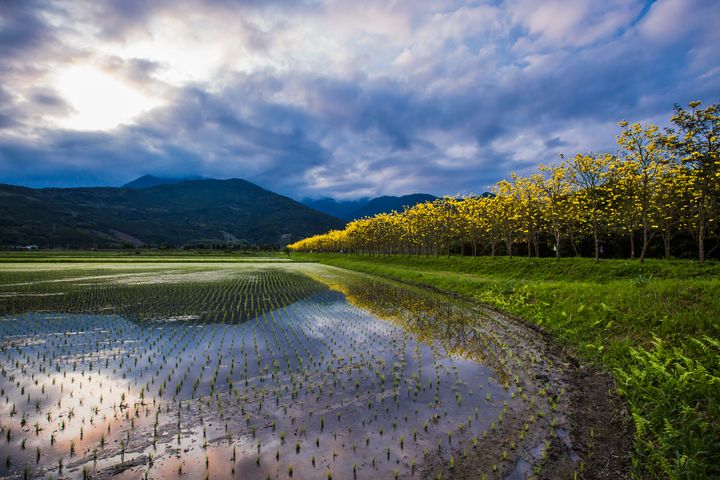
[
  {"x": 387, "y": 204},
  {"x": 147, "y": 181},
  {"x": 351, "y": 210},
  {"x": 176, "y": 214},
  {"x": 339, "y": 209}
]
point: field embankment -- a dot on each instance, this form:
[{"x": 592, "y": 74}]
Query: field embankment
[
  {"x": 140, "y": 256},
  {"x": 654, "y": 326}
]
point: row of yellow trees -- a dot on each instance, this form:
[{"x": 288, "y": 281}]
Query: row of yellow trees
[{"x": 659, "y": 183}]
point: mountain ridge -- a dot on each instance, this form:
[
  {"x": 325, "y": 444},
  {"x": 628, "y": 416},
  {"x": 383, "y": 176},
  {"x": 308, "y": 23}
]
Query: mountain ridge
[
  {"x": 388, "y": 203},
  {"x": 367, "y": 207},
  {"x": 175, "y": 214},
  {"x": 337, "y": 208},
  {"x": 148, "y": 181}
]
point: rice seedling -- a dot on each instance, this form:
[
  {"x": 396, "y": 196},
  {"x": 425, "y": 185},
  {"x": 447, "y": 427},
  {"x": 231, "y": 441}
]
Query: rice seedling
[{"x": 248, "y": 363}]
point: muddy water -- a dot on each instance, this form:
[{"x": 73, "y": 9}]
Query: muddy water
[{"x": 349, "y": 377}]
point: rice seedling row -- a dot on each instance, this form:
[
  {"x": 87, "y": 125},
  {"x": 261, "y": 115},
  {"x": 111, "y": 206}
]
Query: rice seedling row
[{"x": 264, "y": 372}]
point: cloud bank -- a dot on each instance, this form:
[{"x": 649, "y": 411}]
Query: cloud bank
[{"x": 337, "y": 98}]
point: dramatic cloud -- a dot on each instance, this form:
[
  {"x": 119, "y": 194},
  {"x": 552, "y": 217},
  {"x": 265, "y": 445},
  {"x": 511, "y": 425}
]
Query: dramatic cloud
[{"x": 337, "y": 98}]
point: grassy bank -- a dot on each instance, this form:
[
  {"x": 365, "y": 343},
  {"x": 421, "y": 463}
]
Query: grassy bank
[
  {"x": 654, "y": 326},
  {"x": 139, "y": 256}
]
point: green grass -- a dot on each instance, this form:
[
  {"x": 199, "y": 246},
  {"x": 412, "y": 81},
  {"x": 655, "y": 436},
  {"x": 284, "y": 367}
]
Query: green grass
[
  {"x": 139, "y": 256},
  {"x": 654, "y": 326}
]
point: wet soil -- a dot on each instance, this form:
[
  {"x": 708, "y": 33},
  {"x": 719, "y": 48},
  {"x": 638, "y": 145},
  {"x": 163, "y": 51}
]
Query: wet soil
[{"x": 596, "y": 442}]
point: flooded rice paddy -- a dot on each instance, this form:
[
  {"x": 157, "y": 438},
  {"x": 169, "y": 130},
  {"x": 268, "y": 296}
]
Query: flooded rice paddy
[{"x": 265, "y": 371}]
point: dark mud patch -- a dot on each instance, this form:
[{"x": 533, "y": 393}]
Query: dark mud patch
[
  {"x": 593, "y": 442},
  {"x": 601, "y": 425},
  {"x": 119, "y": 468}
]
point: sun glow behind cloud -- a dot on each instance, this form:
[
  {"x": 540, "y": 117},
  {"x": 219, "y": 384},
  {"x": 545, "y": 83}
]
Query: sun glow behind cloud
[
  {"x": 337, "y": 98},
  {"x": 99, "y": 100}
]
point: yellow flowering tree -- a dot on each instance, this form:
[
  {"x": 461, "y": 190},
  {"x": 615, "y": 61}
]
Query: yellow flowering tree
[
  {"x": 554, "y": 188},
  {"x": 658, "y": 185},
  {"x": 695, "y": 140},
  {"x": 589, "y": 174},
  {"x": 644, "y": 155}
]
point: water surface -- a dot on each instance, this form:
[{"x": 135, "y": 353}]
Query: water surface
[{"x": 253, "y": 372}]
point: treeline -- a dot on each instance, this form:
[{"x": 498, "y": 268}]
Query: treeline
[{"x": 661, "y": 185}]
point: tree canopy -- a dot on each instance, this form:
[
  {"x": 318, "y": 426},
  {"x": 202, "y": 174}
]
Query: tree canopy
[{"x": 658, "y": 185}]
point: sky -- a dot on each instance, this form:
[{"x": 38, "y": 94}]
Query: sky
[{"x": 341, "y": 99}]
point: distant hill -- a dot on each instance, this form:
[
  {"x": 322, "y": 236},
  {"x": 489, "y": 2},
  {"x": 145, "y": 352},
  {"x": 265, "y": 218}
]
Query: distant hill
[
  {"x": 387, "y": 204},
  {"x": 340, "y": 209},
  {"x": 351, "y": 210},
  {"x": 189, "y": 212},
  {"x": 147, "y": 181}
]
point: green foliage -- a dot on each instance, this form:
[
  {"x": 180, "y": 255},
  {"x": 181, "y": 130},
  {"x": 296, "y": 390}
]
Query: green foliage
[
  {"x": 673, "y": 396},
  {"x": 143, "y": 255}
]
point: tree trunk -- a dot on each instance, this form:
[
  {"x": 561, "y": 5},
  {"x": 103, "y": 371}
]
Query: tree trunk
[
  {"x": 536, "y": 239},
  {"x": 701, "y": 241},
  {"x": 597, "y": 246},
  {"x": 646, "y": 244},
  {"x": 557, "y": 244},
  {"x": 666, "y": 242},
  {"x": 632, "y": 245},
  {"x": 529, "y": 237},
  {"x": 574, "y": 245}
]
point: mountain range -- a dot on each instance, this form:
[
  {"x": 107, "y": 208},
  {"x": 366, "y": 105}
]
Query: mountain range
[
  {"x": 154, "y": 211},
  {"x": 175, "y": 214},
  {"x": 354, "y": 209},
  {"x": 147, "y": 181},
  {"x": 344, "y": 209}
]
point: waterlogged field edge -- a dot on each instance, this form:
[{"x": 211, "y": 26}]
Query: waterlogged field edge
[{"x": 653, "y": 326}]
